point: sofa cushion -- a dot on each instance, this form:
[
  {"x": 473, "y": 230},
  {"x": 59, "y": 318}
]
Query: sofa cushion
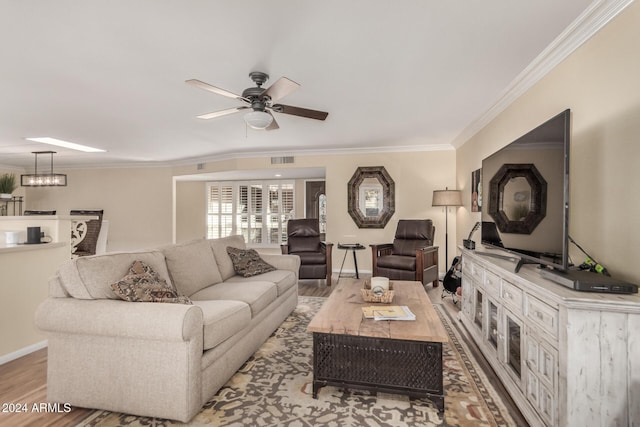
[
  {"x": 247, "y": 262},
  {"x": 219, "y": 247},
  {"x": 143, "y": 284},
  {"x": 283, "y": 279},
  {"x": 258, "y": 294},
  {"x": 91, "y": 277},
  {"x": 192, "y": 266},
  {"x": 222, "y": 319}
]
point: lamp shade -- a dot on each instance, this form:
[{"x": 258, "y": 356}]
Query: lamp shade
[
  {"x": 258, "y": 119},
  {"x": 447, "y": 198}
]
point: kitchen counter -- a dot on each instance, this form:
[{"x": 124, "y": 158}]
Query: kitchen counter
[{"x": 25, "y": 270}]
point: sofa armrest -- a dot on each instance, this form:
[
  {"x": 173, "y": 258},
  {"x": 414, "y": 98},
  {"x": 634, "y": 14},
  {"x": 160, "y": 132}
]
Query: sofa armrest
[
  {"x": 115, "y": 318},
  {"x": 283, "y": 262}
]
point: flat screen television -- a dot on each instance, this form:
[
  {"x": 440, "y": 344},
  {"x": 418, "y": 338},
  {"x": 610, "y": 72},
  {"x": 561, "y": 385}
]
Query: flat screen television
[{"x": 525, "y": 208}]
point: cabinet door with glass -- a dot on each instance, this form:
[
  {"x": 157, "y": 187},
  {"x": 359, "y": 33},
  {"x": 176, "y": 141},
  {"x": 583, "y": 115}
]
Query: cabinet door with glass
[
  {"x": 493, "y": 321},
  {"x": 478, "y": 309},
  {"x": 512, "y": 351}
]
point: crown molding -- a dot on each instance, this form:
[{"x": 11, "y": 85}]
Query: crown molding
[
  {"x": 261, "y": 154},
  {"x": 12, "y": 168},
  {"x": 592, "y": 20},
  {"x": 323, "y": 152}
]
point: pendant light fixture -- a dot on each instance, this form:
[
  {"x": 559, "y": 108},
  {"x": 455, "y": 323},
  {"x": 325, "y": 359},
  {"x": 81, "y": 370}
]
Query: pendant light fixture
[{"x": 43, "y": 179}]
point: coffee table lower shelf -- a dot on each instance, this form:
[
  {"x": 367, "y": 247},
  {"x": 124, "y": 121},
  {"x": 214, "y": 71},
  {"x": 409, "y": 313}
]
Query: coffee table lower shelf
[{"x": 413, "y": 368}]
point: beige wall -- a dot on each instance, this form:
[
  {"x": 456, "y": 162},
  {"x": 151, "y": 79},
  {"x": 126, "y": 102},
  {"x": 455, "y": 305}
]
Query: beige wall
[
  {"x": 191, "y": 210},
  {"x": 599, "y": 83},
  {"x": 137, "y": 202},
  {"x": 24, "y": 284},
  {"x": 415, "y": 174}
]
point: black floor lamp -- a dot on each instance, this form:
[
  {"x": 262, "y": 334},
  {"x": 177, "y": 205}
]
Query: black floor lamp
[{"x": 446, "y": 198}]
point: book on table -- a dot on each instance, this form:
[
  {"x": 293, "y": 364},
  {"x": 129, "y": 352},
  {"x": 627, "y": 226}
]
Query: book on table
[{"x": 392, "y": 312}]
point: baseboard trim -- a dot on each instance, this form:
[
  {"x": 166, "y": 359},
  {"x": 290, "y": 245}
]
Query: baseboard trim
[{"x": 6, "y": 358}]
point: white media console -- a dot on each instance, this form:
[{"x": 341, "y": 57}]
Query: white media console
[{"x": 567, "y": 358}]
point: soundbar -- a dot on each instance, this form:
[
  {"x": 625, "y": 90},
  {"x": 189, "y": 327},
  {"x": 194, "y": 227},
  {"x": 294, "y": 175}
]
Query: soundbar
[{"x": 587, "y": 281}]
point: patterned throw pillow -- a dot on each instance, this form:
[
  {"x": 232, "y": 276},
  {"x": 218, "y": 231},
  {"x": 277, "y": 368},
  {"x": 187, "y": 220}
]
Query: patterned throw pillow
[
  {"x": 247, "y": 262},
  {"x": 143, "y": 284}
]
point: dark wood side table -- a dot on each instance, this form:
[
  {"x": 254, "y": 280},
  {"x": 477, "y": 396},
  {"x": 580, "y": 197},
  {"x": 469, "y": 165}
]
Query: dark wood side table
[{"x": 353, "y": 247}]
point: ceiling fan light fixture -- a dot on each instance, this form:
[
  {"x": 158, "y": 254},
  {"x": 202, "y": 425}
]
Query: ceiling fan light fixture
[{"x": 258, "y": 119}]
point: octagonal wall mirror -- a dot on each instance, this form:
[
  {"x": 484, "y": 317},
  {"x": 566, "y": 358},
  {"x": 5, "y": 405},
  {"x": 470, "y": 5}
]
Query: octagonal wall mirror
[
  {"x": 517, "y": 198},
  {"x": 371, "y": 197}
]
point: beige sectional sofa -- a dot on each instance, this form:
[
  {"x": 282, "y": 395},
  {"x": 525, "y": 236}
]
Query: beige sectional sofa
[{"x": 159, "y": 359}]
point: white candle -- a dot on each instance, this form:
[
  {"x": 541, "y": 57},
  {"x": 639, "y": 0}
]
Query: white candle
[
  {"x": 379, "y": 284},
  {"x": 12, "y": 237}
]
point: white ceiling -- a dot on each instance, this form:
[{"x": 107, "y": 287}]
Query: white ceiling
[{"x": 393, "y": 75}]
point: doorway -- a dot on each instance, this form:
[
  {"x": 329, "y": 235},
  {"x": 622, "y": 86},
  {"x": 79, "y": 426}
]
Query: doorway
[{"x": 316, "y": 204}]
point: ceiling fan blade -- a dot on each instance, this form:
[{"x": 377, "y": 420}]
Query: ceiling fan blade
[
  {"x": 221, "y": 113},
  {"x": 301, "y": 112},
  {"x": 210, "y": 88},
  {"x": 281, "y": 88},
  {"x": 273, "y": 125}
]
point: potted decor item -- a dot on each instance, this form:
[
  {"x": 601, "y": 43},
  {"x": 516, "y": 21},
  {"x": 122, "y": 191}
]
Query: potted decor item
[{"x": 7, "y": 185}]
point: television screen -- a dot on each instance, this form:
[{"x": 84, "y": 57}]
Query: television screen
[{"x": 526, "y": 203}]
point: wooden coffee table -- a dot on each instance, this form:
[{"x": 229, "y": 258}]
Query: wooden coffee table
[{"x": 391, "y": 356}]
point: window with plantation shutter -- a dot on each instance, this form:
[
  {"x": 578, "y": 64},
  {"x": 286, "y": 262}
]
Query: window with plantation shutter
[
  {"x": 219, "y": 211},
  {"x": 257, "y": 210},
  {"x": 286, "y": 211}
]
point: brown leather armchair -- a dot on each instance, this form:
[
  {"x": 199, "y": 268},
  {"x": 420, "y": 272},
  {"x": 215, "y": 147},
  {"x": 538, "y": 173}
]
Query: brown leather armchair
[
  {"x": 411, "y": 256},
  {"x": 303, "y": 239}
]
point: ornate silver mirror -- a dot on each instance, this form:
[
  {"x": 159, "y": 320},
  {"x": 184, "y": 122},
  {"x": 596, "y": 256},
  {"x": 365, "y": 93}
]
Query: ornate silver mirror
[{"x": 371, "y": 197}]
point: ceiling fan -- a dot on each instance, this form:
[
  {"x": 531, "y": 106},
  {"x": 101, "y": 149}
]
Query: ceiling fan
[{"x": 260, "y": 101}]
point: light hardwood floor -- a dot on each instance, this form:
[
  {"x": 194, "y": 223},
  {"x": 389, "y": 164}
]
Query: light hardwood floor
[{"x": 24, "y": 380}]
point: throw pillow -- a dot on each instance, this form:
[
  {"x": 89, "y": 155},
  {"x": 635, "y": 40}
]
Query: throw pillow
[
  {"x": 143, "y": 284},
  {"x": 247, "y": 262}
]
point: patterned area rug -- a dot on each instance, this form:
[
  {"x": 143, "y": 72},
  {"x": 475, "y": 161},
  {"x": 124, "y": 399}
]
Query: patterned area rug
[{"x": 274, "y": 389}]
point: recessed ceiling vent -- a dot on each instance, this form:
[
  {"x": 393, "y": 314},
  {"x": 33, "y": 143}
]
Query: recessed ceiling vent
[{"x": 281, "y": 160}]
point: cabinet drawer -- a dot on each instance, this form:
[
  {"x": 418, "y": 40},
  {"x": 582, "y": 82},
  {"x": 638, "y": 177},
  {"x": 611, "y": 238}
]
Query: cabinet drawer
[
  {"x": 511, "y": 295},
  {"x": 491, "y": 283},
  {"x": 541, "y": 314}
]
